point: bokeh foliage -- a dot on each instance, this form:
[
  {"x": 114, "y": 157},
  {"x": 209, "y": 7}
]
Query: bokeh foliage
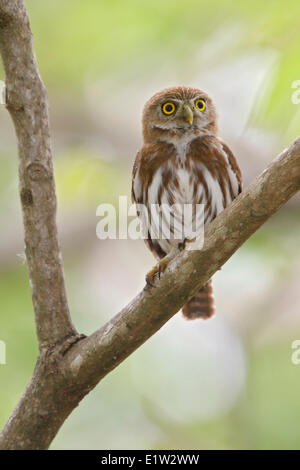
[
  {"x": 77, "y": 42},
  {"x": 104, "y": 37}
]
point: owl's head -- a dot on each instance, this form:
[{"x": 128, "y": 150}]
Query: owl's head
[{"x": 176, "y": 111}]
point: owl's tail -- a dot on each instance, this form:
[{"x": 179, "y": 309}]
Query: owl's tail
[{"x": 202, "y": 305}]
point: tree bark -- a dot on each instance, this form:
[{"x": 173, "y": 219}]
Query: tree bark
[
  {"x": 69, "y": 366},
  {"x": 26, "y": 100}
]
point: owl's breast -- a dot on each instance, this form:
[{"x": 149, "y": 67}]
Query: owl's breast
[
  {"x": 174, "y": 185},
  {"x": 188, "y": 187},
  {"x": 182, "y": 187},
  {"x": 201, "y": 174}
]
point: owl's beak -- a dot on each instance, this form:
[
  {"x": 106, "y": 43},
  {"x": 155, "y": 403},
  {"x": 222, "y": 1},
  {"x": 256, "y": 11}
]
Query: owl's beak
[{"x": 187, "y": 114}]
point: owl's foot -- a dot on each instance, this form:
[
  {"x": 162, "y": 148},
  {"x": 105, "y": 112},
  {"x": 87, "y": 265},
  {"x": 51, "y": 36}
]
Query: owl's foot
[
  {"x": 161, "y": 266},
  {"x": 181, "y": 245},
  {"x": 158, "y": 269}
]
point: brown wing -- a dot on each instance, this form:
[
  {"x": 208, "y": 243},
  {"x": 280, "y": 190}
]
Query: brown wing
[
  {"x": 234, "y": 165},
  {"x": 135, "y": 198},
  {"x": 142, "y": 174}
]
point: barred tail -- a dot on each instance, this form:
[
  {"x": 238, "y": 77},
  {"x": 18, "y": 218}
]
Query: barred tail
[{"x": 202, "y": 305}]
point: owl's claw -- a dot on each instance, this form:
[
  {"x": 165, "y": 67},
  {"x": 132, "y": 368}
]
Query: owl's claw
[
  {"x": 181, "y": 245},
  {"x": 147, "y": 279},
  {"x": 158, "y": 269},
  {"x": 161, "y": 266}
]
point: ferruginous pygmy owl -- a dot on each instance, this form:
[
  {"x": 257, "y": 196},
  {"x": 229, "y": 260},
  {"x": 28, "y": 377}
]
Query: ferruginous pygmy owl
[{"x": 183, "y": 161}]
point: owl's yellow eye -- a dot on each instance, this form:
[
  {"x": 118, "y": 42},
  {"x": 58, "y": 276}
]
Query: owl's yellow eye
[
  {"x": 200, "y": 104},
  {"x": 168, "y": 108}
]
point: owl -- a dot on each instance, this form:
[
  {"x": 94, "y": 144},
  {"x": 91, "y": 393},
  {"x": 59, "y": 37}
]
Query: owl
[{"x": 182, "y": 161}]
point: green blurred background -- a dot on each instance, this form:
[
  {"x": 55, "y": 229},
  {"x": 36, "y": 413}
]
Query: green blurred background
[{"x": 226, "y": 383}]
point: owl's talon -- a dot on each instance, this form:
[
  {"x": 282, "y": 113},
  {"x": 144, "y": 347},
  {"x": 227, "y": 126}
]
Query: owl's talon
[
  {"x": 181, "y": 245},
  {"x": 158, "y": 269},
  {"x": 148, "y": 281}
]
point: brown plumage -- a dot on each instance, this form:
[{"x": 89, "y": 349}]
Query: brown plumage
[{"x": 182, "y": 161}]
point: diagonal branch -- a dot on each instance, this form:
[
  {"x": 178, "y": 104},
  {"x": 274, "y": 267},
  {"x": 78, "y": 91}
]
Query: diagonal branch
[
  {"x": 63, "y": 376},
  {"x": 27, "y": 103},
  {"x": 94, "y": 357}
]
